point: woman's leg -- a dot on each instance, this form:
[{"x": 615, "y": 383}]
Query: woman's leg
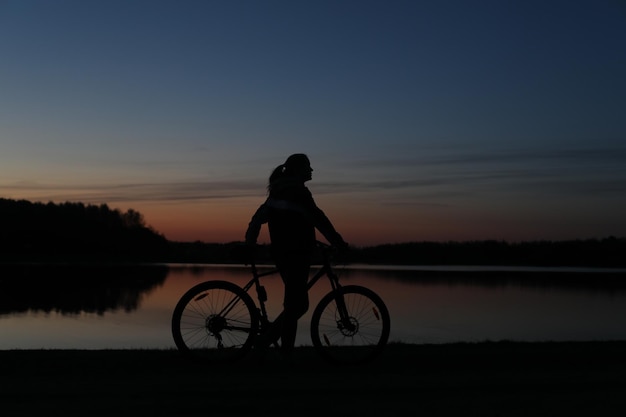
[{"x": 296, "y": 300}]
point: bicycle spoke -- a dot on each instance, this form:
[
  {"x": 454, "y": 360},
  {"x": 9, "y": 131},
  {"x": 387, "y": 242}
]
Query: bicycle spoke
[
  {"x": 215, "y": 318},
  {"x": 350, "y": 326}
]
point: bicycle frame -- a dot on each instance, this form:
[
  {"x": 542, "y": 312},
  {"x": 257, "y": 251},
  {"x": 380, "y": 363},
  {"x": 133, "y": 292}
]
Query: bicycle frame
[{"x": 325, "y": 269}]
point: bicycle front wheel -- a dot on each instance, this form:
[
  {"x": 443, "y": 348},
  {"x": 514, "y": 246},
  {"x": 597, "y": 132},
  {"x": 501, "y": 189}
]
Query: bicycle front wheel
[
  {"x": 350, "y": 325},
  {"x": 215, "y": 321}
]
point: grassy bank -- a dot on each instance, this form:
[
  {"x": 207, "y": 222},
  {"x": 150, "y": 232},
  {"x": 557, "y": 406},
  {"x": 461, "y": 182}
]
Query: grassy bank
[{"x": 483, "y": 379}]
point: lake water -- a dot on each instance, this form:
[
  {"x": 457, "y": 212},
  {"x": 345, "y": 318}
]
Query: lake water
[{"x": 65, "y": 307}]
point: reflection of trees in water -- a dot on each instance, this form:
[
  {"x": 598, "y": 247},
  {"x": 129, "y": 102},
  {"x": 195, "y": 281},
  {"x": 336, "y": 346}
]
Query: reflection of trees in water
[
  {"x": 70, "y": 289},
  {"x": 601, "y": 282}
]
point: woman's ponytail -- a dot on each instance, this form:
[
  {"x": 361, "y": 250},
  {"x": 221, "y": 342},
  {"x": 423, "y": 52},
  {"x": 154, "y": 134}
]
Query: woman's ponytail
[{"x": 277, "y": 173}]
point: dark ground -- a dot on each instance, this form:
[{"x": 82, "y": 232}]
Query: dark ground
[{"x": 483, "y": 379}]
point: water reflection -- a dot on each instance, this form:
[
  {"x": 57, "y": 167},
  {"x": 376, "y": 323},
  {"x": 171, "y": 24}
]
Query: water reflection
[
  {"x": 76, "y": 289},
  {"x": 565, "y": 279},
  {"x": 131, "y": 307}
]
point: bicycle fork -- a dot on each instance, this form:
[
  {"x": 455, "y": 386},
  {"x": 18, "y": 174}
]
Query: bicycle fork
[{"x": 346, "y": 324}]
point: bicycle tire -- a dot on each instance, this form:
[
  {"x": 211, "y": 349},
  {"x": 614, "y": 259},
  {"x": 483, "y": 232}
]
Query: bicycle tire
[
  {"x": 364, "y": 338},
  {"x": 204, "y": 327}
]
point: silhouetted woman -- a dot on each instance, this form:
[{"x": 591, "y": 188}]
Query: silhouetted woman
[{"x": 292, "y": 217}]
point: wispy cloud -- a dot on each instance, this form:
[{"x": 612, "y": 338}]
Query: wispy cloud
[
  {"x": 174, "y": 191},
  {"x": 463, "y": 157},
  {"x": 570, "y": 171}
]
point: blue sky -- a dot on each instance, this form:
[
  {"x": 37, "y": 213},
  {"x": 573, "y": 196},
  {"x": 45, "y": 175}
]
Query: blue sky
[{"x": 446, "y": 120}]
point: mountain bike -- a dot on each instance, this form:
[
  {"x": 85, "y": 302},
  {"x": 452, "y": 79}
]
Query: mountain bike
[{"x": 219, "y": 321}]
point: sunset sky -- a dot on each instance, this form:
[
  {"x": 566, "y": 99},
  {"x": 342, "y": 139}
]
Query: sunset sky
[{"x": 423, "y": 120}]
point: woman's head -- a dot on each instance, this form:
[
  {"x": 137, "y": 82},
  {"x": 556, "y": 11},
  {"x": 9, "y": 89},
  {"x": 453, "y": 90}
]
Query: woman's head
[{"x": 297, "y": 167}]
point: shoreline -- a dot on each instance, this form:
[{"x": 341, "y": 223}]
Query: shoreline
[{"x": 485, "y": 378}]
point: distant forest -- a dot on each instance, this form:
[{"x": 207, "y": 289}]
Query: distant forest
[{"x": 77, "y": 232}]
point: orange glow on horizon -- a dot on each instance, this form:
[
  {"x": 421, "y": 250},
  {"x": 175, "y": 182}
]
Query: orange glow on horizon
[
  {"x": 221, "y": 222},
  {"x": 360, "y": 223}
]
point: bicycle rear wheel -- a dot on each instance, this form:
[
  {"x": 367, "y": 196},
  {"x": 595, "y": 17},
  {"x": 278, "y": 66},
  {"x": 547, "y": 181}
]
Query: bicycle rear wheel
[
  {"x": 215, "y": 321},
  {"x": 355, "y": 337}
]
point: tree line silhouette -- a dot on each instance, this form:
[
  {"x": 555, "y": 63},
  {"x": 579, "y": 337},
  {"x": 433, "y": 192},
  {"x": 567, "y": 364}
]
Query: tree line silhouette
[
  {"x": 33, "y": 231},
  {"x": 606, "y": 252},
  {"x": 75, "y": 231}
]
